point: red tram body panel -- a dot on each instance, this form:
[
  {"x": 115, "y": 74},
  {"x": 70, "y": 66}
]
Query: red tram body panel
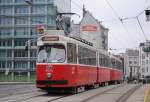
[
  {"x": 103, "y": 75},
  {"x": 116, "y": 75},
  {"x": 64, "y": 75}
]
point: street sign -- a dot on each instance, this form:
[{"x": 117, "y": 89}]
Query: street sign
[{"x": 91, "y": 28}]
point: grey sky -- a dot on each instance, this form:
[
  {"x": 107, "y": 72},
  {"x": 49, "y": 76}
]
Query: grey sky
[{"x": 121, "y": 36}]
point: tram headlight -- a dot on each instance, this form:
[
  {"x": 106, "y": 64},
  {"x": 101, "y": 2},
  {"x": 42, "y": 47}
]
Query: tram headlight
[{"x": 49, "y": 75}]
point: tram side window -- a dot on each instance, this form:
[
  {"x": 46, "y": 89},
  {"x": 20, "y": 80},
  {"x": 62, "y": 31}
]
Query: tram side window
[
  {"x": 113, "y": 63},
  {"x": 81, "y": 55},
  {"x": 92, "y": 57},
  {"x": 87, "y": 56},
  {"x": 71, "y": 53},
  {"x": 119, "y": 65},
  {"x": 104, "y": 60}
]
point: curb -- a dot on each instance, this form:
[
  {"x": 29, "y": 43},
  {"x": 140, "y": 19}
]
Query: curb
[{"x": 14, "y": 83}]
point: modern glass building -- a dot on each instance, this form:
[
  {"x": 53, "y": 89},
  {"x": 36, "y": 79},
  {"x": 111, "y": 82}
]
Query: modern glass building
[{"x": 18, "y": 22}]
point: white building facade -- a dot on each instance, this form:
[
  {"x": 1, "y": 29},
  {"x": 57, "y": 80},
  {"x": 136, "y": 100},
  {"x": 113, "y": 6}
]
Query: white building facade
[
  {"x": 145, "y": 58},
  {"x": 131, "y": 63},
  {"x": 91, "y": 30}
]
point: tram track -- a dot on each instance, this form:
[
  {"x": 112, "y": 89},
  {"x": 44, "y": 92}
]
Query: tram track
[
  {"x": 127, "y": 94},
  {"x": 22, "y": 97},
  {"x": 58, "y": 98},
  {"x": 122, "y": 98},
  {"x": 101, "y": 93},
  {"x": 85, "y": 100},
  {"x": 47, "y": 97},
  {"x": 90, "y": 95},
  {"x": 16, "y": 91}
]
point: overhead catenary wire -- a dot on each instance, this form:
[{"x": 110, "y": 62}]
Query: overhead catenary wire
[
  {"x": 137, "y": 18},
  {"x": 76, "y": 4},
  {"x": 116, "y": 14},
  {"x": 141, "y": 28},
  {"x": 119, "y": 18},
  {"x": 143, "y": 11},
  {"x": 116, "y": 39}
]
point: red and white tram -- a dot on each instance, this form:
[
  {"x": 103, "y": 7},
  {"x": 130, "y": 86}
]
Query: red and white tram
[{"x": 66, "y": 63}]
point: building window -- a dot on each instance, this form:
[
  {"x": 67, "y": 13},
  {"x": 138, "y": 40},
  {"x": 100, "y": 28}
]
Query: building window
[
  {"x": 130, "y": 62},
  {"x": 51, "y": 10},
  {"x": 6, "y": 43},
  {"x": 51, "y": 21},
  {"x": 9, "y": 53},
  {"x": 20, "y": 65},
  {"x": 21, "y": 10},
  {"x": 2, "y": 53},
  {"x": 34, "y": 43},
  {"x": 135, "y": 62},
  {"x": 38, "y": 20},
  {"x": 50, "y": 1},
  {"x": 146, "y": 54},
  {"x": 39, "y": 1},
  {"x": 20, "y": 42},
  {"x": 134, "y": 69},
  {"x": 2, "y": 64},
  {"x": 21, "y": 31},
  {"x": 34, "y": 31},
  {"x": 146, "y": 61},
  {"x": 143, "y": 70},
  {"x": 38, "y": 10},
  {"x": 21, "y": 20},
  {"x": 33, "y": 65},
  {"x": 5, "y": 32},
  {"x": 33, "y": 53},
  {"x": 6, "y": 11},
  {"x": 6, "y": 1},
  {"x": 20, "y": 53},
  {"x": 5, "y": 21},
  {"x": 143, "y": 56},
  {"x": 19, "y": 1},
  {"x": 9, "y": 64}
]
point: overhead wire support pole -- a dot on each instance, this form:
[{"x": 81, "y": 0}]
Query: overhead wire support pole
[
  {"x": 143, "y": 11},
  {"x": 141, "y": 28}
]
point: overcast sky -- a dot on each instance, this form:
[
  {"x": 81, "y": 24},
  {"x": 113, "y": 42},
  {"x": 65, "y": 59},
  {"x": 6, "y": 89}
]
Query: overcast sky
[{"x": 121, "y": 36}]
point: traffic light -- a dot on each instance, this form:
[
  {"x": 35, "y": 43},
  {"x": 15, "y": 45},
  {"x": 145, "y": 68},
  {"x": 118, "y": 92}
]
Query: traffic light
[{"x": 41, "y": 29}]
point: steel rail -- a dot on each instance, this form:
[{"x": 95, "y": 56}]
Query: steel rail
[
  {"x": 101, "y": 93},
  {"x": 128, "y": 94}
]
